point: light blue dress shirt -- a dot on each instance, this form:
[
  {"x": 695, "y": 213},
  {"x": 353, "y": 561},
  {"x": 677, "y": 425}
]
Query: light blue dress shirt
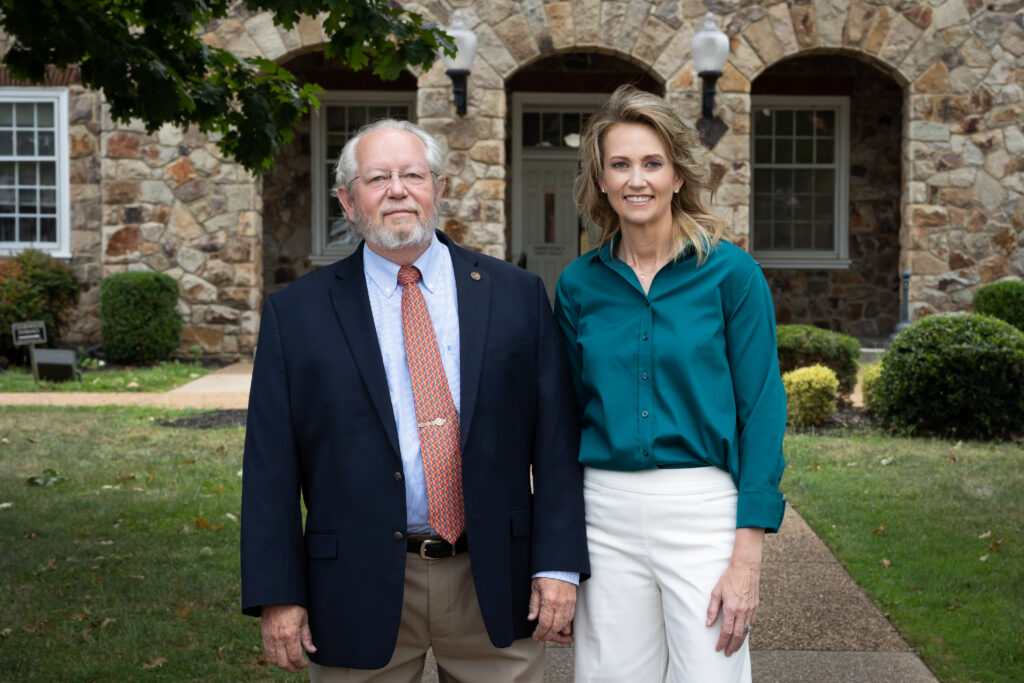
[{"x": 437, "y": 284}]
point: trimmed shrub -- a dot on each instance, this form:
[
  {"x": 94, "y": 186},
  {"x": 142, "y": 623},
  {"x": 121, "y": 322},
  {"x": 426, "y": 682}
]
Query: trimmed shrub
[
  {"x": 801, "y": 346},
  {"x": 954, "y": 374},
  {"x": 139, "y": 320},
  {"x": 1004, "y": 300},
  {"x": 34, "y": 286},
  {"x": 869, "y": 383},
  {"x": 810, "y": 395}
]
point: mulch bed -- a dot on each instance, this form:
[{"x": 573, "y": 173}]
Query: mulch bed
[
  {"x": 846, "y": 419},
  {"x": 213, "y": 419}
]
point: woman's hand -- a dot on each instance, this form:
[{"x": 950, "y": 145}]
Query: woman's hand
[{"x": 737, "y": 593}]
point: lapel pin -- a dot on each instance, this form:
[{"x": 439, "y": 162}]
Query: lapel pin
[{"x": 475, "y": 275}]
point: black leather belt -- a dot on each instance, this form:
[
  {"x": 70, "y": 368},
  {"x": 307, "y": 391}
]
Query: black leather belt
[{"x": 435, "y": 547}]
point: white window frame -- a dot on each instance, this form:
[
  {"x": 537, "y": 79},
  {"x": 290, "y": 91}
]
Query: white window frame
[
  {"x": 320, "y": 253},
  {"x": 59, "y": 97},
  {"x": 839, "y": 256}
]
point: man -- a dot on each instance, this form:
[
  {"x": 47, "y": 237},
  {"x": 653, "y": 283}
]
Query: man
[{"x": 410, "y": 406}]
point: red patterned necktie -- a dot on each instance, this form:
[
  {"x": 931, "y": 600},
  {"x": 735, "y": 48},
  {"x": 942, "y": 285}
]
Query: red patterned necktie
[{"x": 437, "y": 421}]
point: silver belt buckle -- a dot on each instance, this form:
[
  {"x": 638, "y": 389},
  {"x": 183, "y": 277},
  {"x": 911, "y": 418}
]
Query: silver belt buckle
[{"x": 423, "y": 549}]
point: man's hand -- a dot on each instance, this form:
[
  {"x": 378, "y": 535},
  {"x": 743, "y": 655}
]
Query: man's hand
[
  {"x": 552, "y": 605},
  {"x": 285, "y": 635}
]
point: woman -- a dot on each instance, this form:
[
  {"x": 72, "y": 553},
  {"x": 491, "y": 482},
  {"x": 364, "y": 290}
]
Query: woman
[{"x": 671, "y": 334}]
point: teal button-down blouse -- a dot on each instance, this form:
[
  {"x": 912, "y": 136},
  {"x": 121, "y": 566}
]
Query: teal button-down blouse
[{"x": 684, "y": 376}]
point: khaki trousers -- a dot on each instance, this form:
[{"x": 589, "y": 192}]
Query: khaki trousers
[{"x": 440, "y": 611}]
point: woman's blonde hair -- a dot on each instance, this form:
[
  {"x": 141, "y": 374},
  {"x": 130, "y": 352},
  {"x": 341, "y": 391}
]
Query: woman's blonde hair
[{"x": 693, "y": 222}]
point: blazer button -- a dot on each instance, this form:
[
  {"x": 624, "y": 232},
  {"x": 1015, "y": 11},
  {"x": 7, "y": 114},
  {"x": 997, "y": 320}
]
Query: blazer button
[
  {"x": 399, "y": 535},
  {"x": 398, "y": 476}
]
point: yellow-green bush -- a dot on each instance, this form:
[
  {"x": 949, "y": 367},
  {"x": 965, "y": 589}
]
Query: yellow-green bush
[
  {"x": 810, "y": 395},
  {"x": 868, "y": 382}
]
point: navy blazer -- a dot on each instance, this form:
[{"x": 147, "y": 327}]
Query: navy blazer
[{"x": 321, "y": 423}]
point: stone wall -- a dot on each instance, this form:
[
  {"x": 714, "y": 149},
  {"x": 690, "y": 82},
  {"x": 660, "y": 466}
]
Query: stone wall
[{"x": 85, "y": 170}]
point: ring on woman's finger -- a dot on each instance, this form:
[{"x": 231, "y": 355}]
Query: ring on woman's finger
[{"x": 748, "y": 628}]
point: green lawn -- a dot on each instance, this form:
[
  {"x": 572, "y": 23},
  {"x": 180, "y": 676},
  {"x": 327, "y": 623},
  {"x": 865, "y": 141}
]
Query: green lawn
[
  {"x": 156, "y": 378},
  {"x": 128, "y": 567},
  {"x": 934, "y": 532}
]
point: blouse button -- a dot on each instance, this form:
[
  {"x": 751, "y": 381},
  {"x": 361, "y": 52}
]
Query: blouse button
[
  {"x": 644, "y": 336},
  {"x": 643, "y": 414},
  {"x": 643, "y": 375}
]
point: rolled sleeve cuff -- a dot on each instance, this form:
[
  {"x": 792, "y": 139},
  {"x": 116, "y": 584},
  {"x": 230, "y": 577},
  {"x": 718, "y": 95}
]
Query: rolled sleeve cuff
[
  {"x": 568, "y": 577},
  {"x": 760, "y": 510}
]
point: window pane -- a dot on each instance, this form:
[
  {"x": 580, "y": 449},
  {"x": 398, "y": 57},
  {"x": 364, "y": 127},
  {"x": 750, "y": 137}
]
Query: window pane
[
  {"x": 378, "y": 112},
  {"x": 781, "y": 236},
  {"x": 804, "y": 150},
  {"x": 762, "y": 235},
  {"x": 803, "y": 180},
  {"x": 336, "y": 118},
  {"x": 531, "y": 129},
  {"x": 823, "y": 208},
  {"x": 805, "y": 123},
  {"x": 763, "y": 151},
  {"x": 44, "y": 114},
  {"x": 825, "y": 148},
  {"x": 24, "y": 115},
  {"x": 26, "y": 143},
  {"x": 763, "y": 122},
  {"x": 47, "y": 201},
  {"x": 48, "y": 229},
  {"x": 27, "y": 230},
  {"x": 762, "y": 180},
  {"x": 803, "y": 237},
  {"x": 782, "y": 206},
  {"x": 7, "y": 229},
  {"x": 783, "y": 180},
  {"x": 398, "y": 111},
  {"x": 27, "y": 173},
  {"x": 571, "y": 130},
  {"x": 824, "y": 182},
  {"x": 6, "y": 114},
  {"x": 48, "y": 173},
  {"x": 356, "y": 118},
  {"x": 784, "y": 151},
  {"x": 45, "y": 143},
  {"x": 804, "y": 209},
  {"x": 824, "y": 236},
  {"x": 783, "y": 123},
  {"x": 7, "y": 173},
  {"x": 6, "y": 142},
  {"x": 6, "y": 201},
  {"x": 762, "y": 207},
  {"x": 552, "y": 129},
  {"x": 27, "y": 201},
  {"x": 825, "y": 123}
]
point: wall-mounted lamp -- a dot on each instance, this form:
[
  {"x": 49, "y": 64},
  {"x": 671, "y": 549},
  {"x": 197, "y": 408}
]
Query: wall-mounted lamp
[
  {"x": 709, "y": 49},
  {"x": 457, "y": 67}
]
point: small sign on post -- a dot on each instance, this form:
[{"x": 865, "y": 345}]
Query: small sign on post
[{"x": 30, "y": 333}]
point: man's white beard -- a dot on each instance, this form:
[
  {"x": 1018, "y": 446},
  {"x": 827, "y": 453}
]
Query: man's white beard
[{"x": 391, "y": 240}]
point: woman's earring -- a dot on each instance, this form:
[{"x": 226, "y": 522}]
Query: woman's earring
[
  {"x": 604, "y": 191},
  {"x": 677, "y": 190}
]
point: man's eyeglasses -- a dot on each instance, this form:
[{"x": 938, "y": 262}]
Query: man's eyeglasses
[{"x": 378, "y": 180}]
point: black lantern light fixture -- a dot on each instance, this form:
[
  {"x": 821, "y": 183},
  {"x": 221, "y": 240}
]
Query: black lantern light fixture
[
  {"x": 709, "y": 49},
  {"x": 457, "y": 67}
]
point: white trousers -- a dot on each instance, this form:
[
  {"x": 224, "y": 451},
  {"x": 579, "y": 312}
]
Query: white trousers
[{"x": 659, "y": 542}]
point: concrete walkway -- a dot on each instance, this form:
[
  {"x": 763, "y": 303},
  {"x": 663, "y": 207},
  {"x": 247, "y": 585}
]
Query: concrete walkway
[{"x": 815, "y": 624}]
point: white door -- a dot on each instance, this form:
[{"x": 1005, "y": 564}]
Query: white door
[{"x": 550, "y": 226}]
